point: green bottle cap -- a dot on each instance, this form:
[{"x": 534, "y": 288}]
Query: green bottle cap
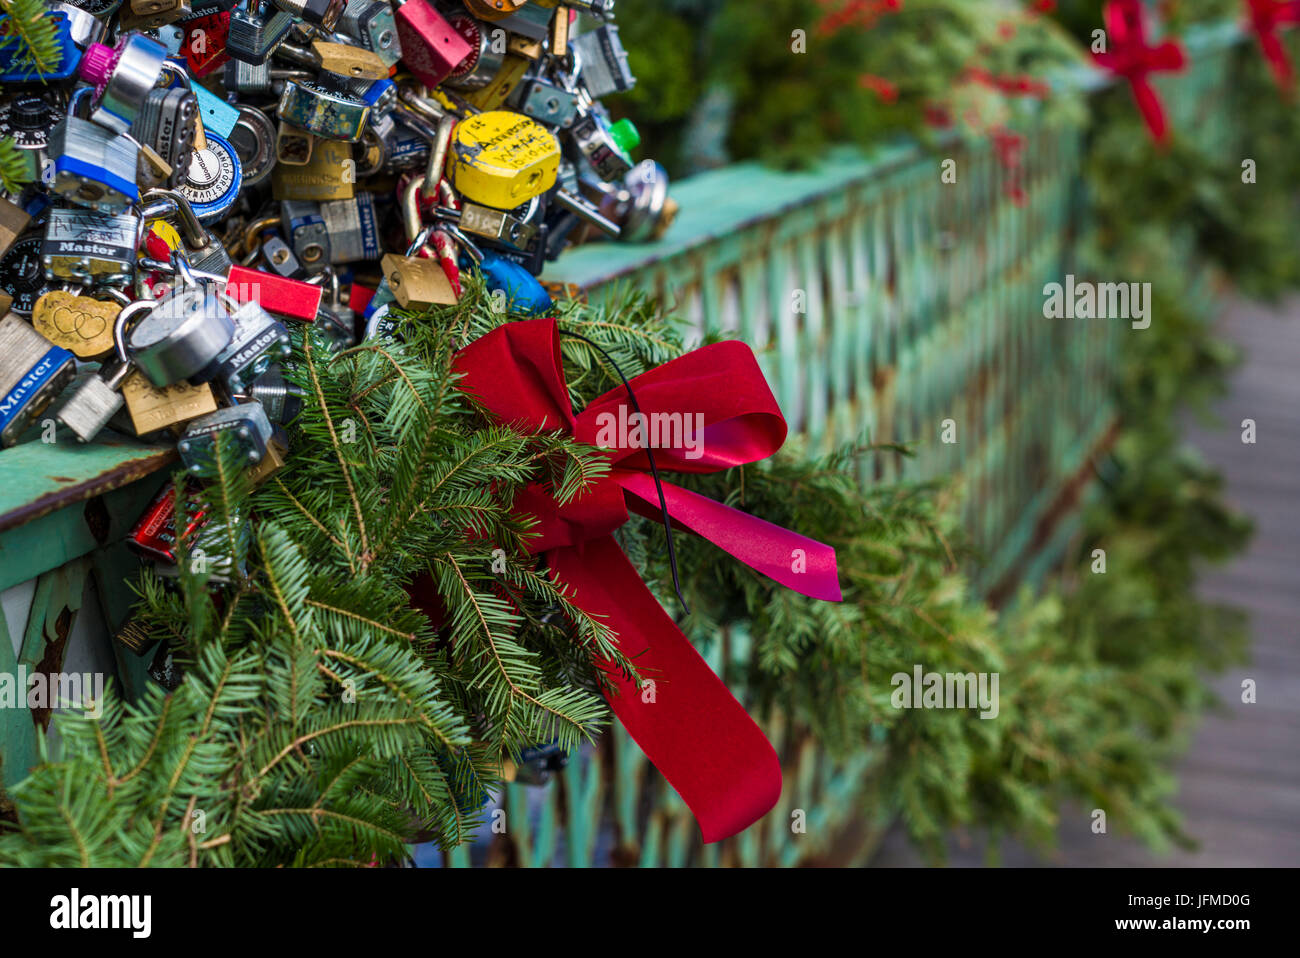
[{"x": 624, "y": 134}]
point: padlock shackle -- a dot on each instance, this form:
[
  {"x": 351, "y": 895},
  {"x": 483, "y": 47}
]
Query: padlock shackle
[
  {"x": 193, "y": 231},
  {"x": 123, "y": 323}
]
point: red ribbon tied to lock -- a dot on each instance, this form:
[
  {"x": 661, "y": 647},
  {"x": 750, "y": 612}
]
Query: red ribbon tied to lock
[
  {"x": 1266, "y": 17},
  {"x": 691, "y": 728},
  {"x": 1128, "y": 56}
]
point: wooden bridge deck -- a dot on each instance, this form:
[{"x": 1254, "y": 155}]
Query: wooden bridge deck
[{"x": 1239, "y": 783}]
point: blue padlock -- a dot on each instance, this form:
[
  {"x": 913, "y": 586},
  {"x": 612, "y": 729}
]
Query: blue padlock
[
  {"x": 16, "y": 64},
  {"x": 524, "y": 294}
]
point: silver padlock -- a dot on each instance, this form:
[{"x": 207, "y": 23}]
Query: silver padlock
[
  {"x": 122, "y": 76},
  {"x": 99, "y": 398},
  {"x": 167, "y": 123},
  {"x": 93, "y": 167},
  {"x": 245, "y": 423},
  {"x": 90, "y": 246},
  {"x": 180, "y": 337},
  {"x": 324, "y": 108},
  {"x": 370, "y": 23},
  {"x": 308, "y": 235},
  {"x": 280, "y": 399},
  {"x": 259, "y": 338},
  {"x": 256, "y": 29},
  {"x": 33, "y": 371},
  {"x": 604, "y": 61},
  {"x": 545, "y": 102},
  {"x": 352, "y": 227}
]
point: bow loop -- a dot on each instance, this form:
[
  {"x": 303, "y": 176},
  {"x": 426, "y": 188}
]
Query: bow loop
[{"x": 1129, "y": 56}]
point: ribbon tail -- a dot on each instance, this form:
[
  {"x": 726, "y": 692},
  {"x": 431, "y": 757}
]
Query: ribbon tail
[
  {"x": 692, "y": 728},
  {"x": 1148, "y": 102},
  {"x": 795, "y": 561},
  {"x": 1278, "y": 60}
]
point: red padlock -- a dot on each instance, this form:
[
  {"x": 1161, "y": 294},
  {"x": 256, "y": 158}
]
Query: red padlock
[
  {"x": 276, "y": 294},
  {"x": 205, "y": 43},
  {"x": 431, "y": 47},
  {"x": 154, "y": 534}
]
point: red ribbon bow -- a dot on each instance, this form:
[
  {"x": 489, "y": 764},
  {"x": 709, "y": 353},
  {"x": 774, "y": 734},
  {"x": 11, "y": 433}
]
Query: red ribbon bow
[
  {"x": 1266, "y": 18},
  {"x": 1127, "y": 55},
  {"x": 692, "y": 729}
]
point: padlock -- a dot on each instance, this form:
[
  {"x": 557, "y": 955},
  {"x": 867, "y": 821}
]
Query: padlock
[
  {"x": 213, "y": 179},
  {"x": 370, "y": 23},
  {"x": 259, "y": 338},
  {"x": 18, "y": 66},
  {"x": 280, "y": 257},
  {"x": 256, "y": 30},
  {"x": 152, "y": 408},
  {"x": 431, "y": 47},
  {"x": 277, "y": 451},
  {"x": 166, "y": 124},
  {"x": 502, "y": 159},
  {"x": 181, "y": 335},
  {"x": 204, "y": 42},
  {"x": 531, "y": 20},
  {"x": 151, "y": 14},
  {"x": 84, "y": 26},
  {"x": 241, "y": 77},
  {"x": 284, "y": 297},
  {"x": 353, "y": 229},
  {"x": 154, "y": 534},
  {"x": 326, "y": 109},
  {"x": 13, "y": 220},
  {"x": 22, "y": 274},
  {"x": 498, "y": 90},
  {"x": 308, "y": 235},
  {"x": 280, "y": 399},
  {"x": 254, "y": 141},
  {"x": 134, "y": 637},
  {"x": 326, "y": 175},
  {"x": 604, "y": 61},
  {"x": 204, "y": 251},
  {"x": 92, "y": 166},
  {"x": 557, "y": 44},
  {"x": 33, "y": 371},
  {"x": 27, "y": 120},
  {"x": 246, "y": 424},
  {"x": 122, "y": 76},
  {"x": 607, "y": 147},
  {"x": 293, "y": 147},
  {"x": 495, "y": 224},
  {"x": 345, "y": 60},
  {"x": 417, "y": 283},
  {"x": 97, "y": 400},
  {"x": 524, "y": 294},
  {"x": 89, "y": 246},
  {"x": 486, "y": 55},
  {"x": 319, "y": 13},
  {"x": 642, "y": 207},
  {"x": 216, "y": 115},
  {"x": 494, "y": 9},
  {"x": 545, "y": 102},
  {"x": 79, "y": 324}
]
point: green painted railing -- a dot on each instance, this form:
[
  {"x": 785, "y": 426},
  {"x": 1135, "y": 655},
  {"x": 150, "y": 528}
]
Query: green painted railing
[{"x": 880, "y": 299}]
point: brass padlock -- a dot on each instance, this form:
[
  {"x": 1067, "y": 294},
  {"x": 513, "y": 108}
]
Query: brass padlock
[
  {"x": 272, "y": 462},
  {"x": 417, "y": 283},
  {"x": 326, "y": 176},
  {"x": 558, "y": 41},
  {"x": 152, "y": 408},
  {"x": 152, "y": 14},
  {"x": 79, "y": 324},
  {"x": 349, "y": 61},
  {"x": 494, "y": 9},
  {"x": 13, "y": 220},
  {"x": 293, "y": 147}
]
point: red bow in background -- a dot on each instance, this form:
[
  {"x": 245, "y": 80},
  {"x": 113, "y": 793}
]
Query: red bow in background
[
  {"x": 1127, "y": 55},
  {"x": 694, "y": 731},
  {"x": 1266, "y": 18}
]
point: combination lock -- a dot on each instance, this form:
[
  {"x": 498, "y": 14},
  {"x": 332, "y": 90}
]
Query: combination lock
[
  {"x": 215, "y": 177},
  {"x": 28, "y": 120},
  {"x": 22, "y": 272}
]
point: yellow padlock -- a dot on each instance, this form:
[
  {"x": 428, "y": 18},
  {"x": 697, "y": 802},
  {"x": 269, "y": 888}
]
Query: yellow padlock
[{"x": 502, "y": 159}]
